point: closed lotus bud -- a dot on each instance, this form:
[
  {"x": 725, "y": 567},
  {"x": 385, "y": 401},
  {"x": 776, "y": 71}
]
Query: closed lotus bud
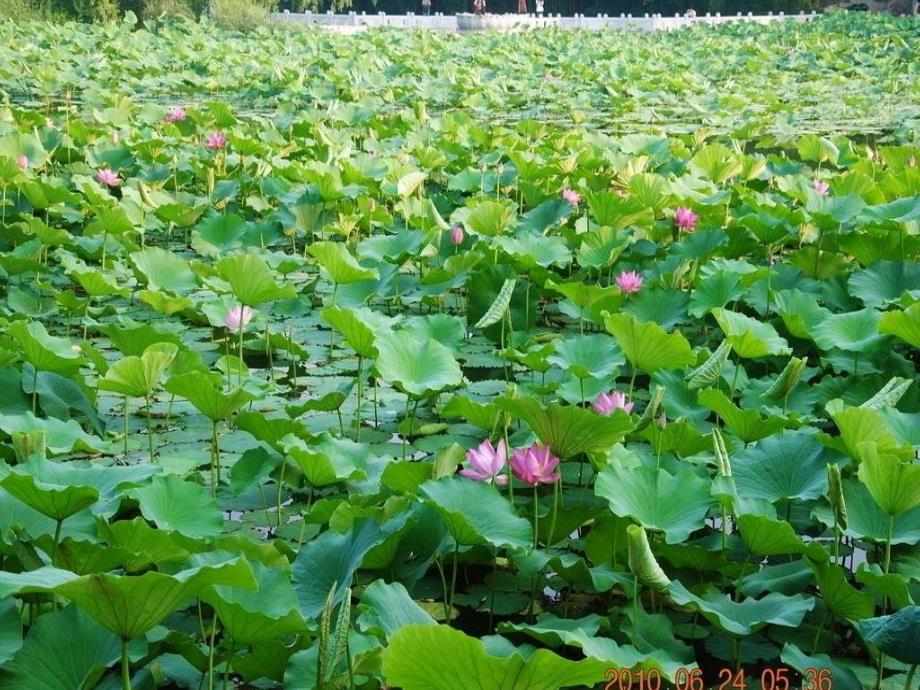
[
  {"x": 642, "y": 561},
  {"x": 835, "y": 494},
  {"x": 788, "y": 379},
  {"x": 652, "y": 410}
]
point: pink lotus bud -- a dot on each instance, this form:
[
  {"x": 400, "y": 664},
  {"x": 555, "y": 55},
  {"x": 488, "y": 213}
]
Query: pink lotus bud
[
  {"x": 571, "y": 196},
  {"x": 629, "y": 282},
  {"x": 238, "y": 317},
  {"x": 22, "y": 162},
  {"x": 215, "y": 140},
  {"x": 685, "y": 219},
  {"x": 821, "y": 187},
  {"x": 456, "y": 235}
]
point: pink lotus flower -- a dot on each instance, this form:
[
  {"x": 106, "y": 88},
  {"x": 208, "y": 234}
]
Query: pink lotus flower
[
  {"x": 238, "y": 317},
  {"x": 109, "y": 177},
  {"x": 686, "y": 219},
  {"x": 22, "y": 162},
  {"x": 629, "y": 282},
  {"x": 535, "y": 465},
  {"x": 456, "y": 235},
  {"x": 821, "y": 187},
  {"x": 608, "y": 403},
  {"x": 571, "y": 196},
  {"x": 176, "y": 114},
  {"x": 215, "y": 140},
  {"x": 487, "y": 463}
]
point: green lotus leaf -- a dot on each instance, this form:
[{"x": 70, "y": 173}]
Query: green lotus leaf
[
  {"x": 164, "y": 270},
  {"x": 765, "y": 536},
  {"x": 903, "y": 324},
  {"x": 491, "y": 218},
  {"x": 138, "y": 376},
  {"x": 417, "y": 367},
  {"x": 749, "y": 337},
  {"x": 674, "y": 504},
  {"x": 420, "y": 657},
  {"x": 842, "y": 676},
  {"x": 588, "y": 356},
  {"x": 54, "y": 500},
  {"x": 65, "y": 649},
  {"x": 203, "y": 392},
  {"x": 785, "y": 467},
  {"x": 387, "y": 607},
  {"x": 747, "y": 425},
  {"x": 648, "y": 346},
  {"x": 172, "y": 503},
  {"x": 855, "y": 331},
  {"x": 567, "y": 429},
  {"x": 892, "y": 482},
  {"x": 253, "y": 616},
  {"x": 896, "y": 635},
  {"x": 341, "y": 266},
  {"x": 476, "y": 513},
  {"x": 131, "y": 605},
  {"x": 885, "y": 281},
  {"x": 44, "y": 352},
  {"x": 327, "y": 460},
  {"x": 745, "y": 617},
  {"x": 251, "y": 280}
]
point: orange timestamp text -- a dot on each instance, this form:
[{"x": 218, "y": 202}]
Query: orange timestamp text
[{"x": 729, "y": 679}]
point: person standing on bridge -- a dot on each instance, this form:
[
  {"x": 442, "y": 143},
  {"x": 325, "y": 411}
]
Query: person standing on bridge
[
  {"x": 522, "y": 6},
  {"x": 426, "y": 7},
  {"x": 539, "y": 8}
]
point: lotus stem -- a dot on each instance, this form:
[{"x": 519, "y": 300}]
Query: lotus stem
[
  {"x": 227, "y": 666},
  {"x": 126, "y": 425},
  {"x": 239, "y": 371},
  {"x": 125, "y": 666},
  {"x": 215, "y": 458},
  {"x": 360, "y": 395},
  {"x": 34, "y": 390},
  {"x": 536, "y": 517},
  {"x": 149, "y": 426},
  {"x": 453, "y": 581},
  {"x": 211, "y": 650},
  {"x": 910, "y": 677},
  {"x": 552, "y": 520}
]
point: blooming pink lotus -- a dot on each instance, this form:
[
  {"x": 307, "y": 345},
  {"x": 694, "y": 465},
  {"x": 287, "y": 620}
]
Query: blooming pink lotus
[
  {"x": 109, "y": 177},
  {"x": 685, "y": 219},
  {"x": 629, "y": 282},
  {"x": 22, "y": 162},
  {"x": 571, "y": 196},
  {"x": 215, "y": 140},
  {"x": 238, "y": 317},
  {"x": 821, "y": 187},
  {"x": 487, "y": 463},
  {"x": 608, "y": 403},
  {"x": 456, "y": 235},
  {"x": 176, "y": 114},
  {"x": 535, "y": 465}
]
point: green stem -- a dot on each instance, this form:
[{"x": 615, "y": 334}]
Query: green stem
[
  {"x": 149, "y": 427},
  {"x": 215, "y": 458},
  {"x": 453, "y": 580},
  {"x": 227, "y": 666},
  {"x": 536, "y": 517},
  {"x": 211, "y": 651},
  {"x": 126, "y": 425},
  {"x": 125, "y": 666},
  {"x": 360, "y": 395},
  {"x": 280, "y": 489},
  {"x": 437, "y": 562},
  {"x": 632, "y": 381},
  {"x": 552, "y": 520},
  {"x": 881, "y": 654},
  {"x": 817, "y": 640},
  {"x": 910, "y": 677},
  {"x": 239, "y": 370},
  {"x": 34, "y": 390}
]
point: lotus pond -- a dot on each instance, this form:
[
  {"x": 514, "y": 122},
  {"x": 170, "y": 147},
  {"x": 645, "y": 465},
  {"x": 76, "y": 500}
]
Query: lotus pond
[{"x": 439, "y": 362}]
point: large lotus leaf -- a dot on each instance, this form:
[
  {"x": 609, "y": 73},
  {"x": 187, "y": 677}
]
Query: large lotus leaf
[
  {"x": 387, "y": 607},
  {"x": 353, "y": 325},
  {"x": 582, "y": 633},
  {"x": 885, "y": 281},
  {"x": 327, "y": 460},
  {"x": 44, "y": 352},
  {"x": 861, "y": 425},
  {"x": 331, "y": 559},
  {"x": 893, "y": 585},
  {"x": 546, "y": 215},
  {"x": 841, "y": 598},
  {"x": 56, "y": 501},
  {"x": 865, "y": 520},
  {"x": 10, "y": 630},
  {"x": 893, "y": 483},
  {"x": 131, "y": 605},
  {"x": 253, "y": 616},
  {"x": 64, "y": 650},
  {"x": 60, "y": 437},
  {"x": 476, "y": 513},
  {"x": 749, "y": 337},
  {"x": 789, "y": 466},
  {"x": 172, "y": 503},
  {"x": 422, "y": 657},
  {"x": 842, "y": 676},
  {"x": 395, "y": 249},
  {"x": 766, "y": 536},
  {"x": 57, "y": 396},
  {"x": 138, "y": 376},
  {"x": 855, "y": 331},
  {"x": 43, "y": 579},
  {"x": 800, "y": 311},
  {"x": 530, "y": 250},
  {"x": 674, "y": 504},
  {"x": 588, "y": 355},
  {"x": 747, "y": 425},
  {"x": 202, "y": 390},
  {"x": 647, "y": 345},
  {"x": 417, "y": 367},
  {"x": 567, "y": 429},
  {"x": 165, "y": 270},
  {"x": 341, "y": 266},
  {"x": 902, "y": 324},
  {"x": 132, "y": 338},
  {"x": 748, "y": 616},
  {"x": 252, "y": 281},
  {"x": 612, "y": 210},
  {"x": 490, "y": 218},
  {"x": 896, "y": 635}
]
